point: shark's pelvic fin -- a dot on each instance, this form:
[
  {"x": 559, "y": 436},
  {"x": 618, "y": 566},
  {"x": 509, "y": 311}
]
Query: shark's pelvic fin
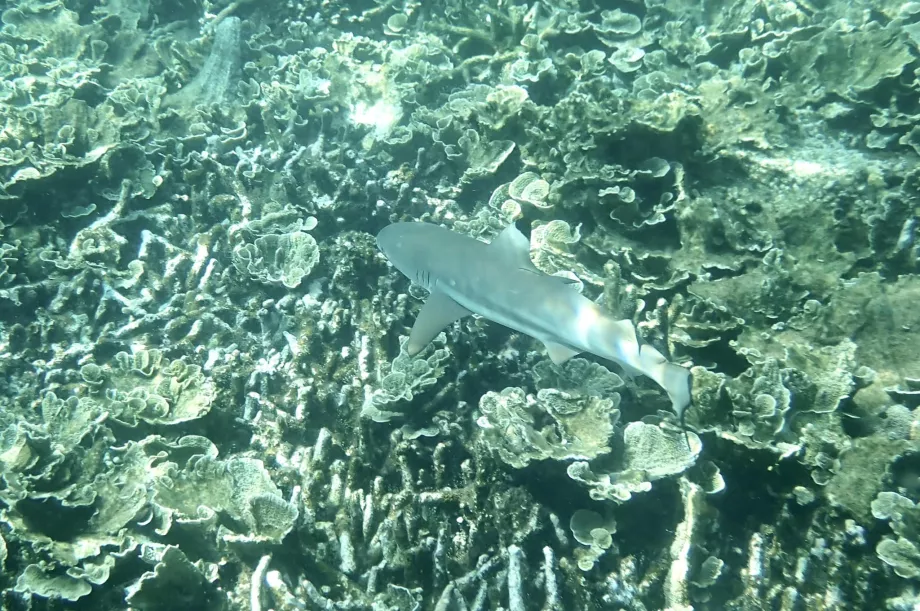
[
  {"x": 438, "y": 312},
  {"x": 559, "y": 353}
]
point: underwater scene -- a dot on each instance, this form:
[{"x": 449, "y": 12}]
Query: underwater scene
[{"x": 453, "y": 305}]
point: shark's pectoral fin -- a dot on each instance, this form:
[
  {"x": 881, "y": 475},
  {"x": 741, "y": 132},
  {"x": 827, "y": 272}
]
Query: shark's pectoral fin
[
  {"x": 438, "y": 312},
  {"x": 559, "y": 353}
]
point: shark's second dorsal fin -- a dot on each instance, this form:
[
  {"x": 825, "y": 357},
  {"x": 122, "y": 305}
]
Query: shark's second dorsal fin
[
  {"x": 513, "y": 247},
  {"x": 438, "y": 312}
]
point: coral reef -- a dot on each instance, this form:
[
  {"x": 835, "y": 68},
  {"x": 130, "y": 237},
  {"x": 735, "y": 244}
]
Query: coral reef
[{"x": 205, "y": 397}]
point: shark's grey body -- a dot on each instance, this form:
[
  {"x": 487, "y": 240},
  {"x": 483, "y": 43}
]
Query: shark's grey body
[{"x": 499, "y": 282}]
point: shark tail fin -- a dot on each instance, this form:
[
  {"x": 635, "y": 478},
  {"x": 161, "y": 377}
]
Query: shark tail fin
[
  {"x": 683, "y": 425},
  {"x": 677, "y": 381},
  {"x": 674, "y": 379}
]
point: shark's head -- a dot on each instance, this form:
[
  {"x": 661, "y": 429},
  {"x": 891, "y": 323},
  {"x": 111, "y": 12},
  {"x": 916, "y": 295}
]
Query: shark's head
[{"x": 409, "y": 247}]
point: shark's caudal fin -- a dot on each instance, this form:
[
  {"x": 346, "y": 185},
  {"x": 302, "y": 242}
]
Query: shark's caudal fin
[
  {"x": 679, "y": 387},
  {"x": 676, "y": 380},
  {"x": 644, "y": 358}
]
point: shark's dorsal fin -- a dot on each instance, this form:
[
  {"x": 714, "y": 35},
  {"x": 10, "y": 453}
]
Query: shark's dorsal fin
[
  {"x": 438, "y": 312},
  {"x": 562, "y": 279},
  {"x": 513, "y": 247},
  {"x": 559, "y": 353},
  {"x": 567, "y": 281}
]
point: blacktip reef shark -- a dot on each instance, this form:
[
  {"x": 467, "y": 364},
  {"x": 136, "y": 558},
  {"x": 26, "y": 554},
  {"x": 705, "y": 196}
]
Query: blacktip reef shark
[{"x": 499, "y": 282}]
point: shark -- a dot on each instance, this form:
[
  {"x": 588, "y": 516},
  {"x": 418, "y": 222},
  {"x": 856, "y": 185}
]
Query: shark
[{"x": 499, "y": 282}]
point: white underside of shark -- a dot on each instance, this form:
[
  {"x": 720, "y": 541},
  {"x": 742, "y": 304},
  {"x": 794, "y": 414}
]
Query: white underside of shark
[{"x": 499, "y": 282}]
